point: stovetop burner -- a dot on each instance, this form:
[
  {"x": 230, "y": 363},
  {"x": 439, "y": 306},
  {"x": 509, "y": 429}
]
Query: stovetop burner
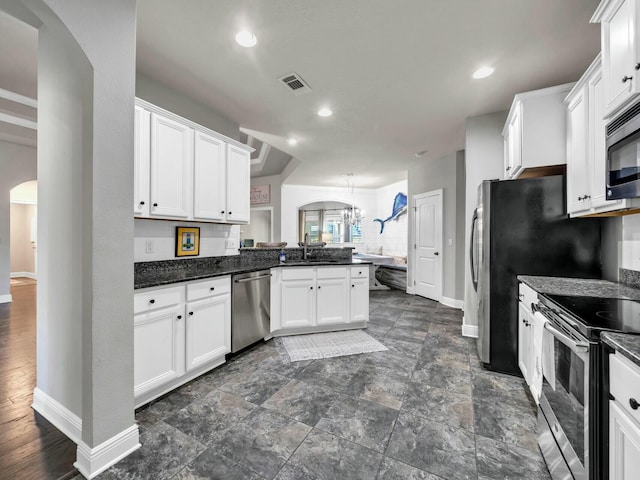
[{"x": 600, "y": 313}]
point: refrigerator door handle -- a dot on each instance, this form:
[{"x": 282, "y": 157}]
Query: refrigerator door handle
[{"x": 472, "y": 259}]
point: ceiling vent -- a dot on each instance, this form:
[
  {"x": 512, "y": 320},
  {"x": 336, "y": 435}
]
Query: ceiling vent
[{"x": 295, "y": 83}]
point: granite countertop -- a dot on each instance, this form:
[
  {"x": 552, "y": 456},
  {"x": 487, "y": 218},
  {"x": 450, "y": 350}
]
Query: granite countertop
[
  {"x": 626, "y": 344},
  {"x": 164, "y": 273},
  {"x": 580, "y": 287}
]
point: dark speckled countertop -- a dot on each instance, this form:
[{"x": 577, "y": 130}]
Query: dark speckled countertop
[
  {"x": 154, "y": 274},
  {"x": 625, "y": 344},
  {"x": 580, "y": 287}
]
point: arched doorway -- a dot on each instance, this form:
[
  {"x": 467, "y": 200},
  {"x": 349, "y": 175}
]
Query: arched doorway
[{"x": 23, "y": 233}]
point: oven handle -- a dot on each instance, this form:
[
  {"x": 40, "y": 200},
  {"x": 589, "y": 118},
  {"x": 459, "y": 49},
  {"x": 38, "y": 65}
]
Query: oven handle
[{"x": 576, "y": 347}]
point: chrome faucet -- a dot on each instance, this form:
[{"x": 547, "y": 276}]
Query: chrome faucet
[{"x": 304, "y": 246}]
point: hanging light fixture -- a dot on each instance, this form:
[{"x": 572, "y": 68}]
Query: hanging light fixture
[{"x": 352, "y": 215}]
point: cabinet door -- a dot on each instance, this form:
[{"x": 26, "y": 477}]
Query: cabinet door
[
  {"x": 577, "y": 173},
  {"x": 524, "y": 343},
  {"x": 158, "y": 342},
  {"x": 513, "y": 143},
  {"x": 331, "y": 301},
  {"x": 171, "y": 168},
  {"x": 359, "y": 300},
  {"x": 238, "y": 169},
  {"x": 618, "y": 51},
  {"x": 141, "y": 153},
  {"x": 624, "y": 445},
  {"x": 298, "y": 303},
  {"x": 208, "y": 330},
  {"x": 210, "y": 178}
]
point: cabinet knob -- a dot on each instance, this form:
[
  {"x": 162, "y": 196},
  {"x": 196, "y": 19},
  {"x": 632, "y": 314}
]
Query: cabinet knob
[
  {"x": 222, "y": 211},
  {"x": 179, "y": 317},
  {"x": 633, "y": 403},
  {"x": 586, "y": 196},
  {"x": 152, "y": 301},
  {"x": 155, "y": 204},
  {"x": 637, "y": 66},
  {"x": 230, "y": 213},
  {"x": 436, "y": 253},
  {"x": 359, "y": 273},
  {"x": 352, "y": 286},
  {"x": 310, "y": 288},
  {"x": 508, "y": 168},
  {"x": 190, "y": 313},
  {"x": 319, "y": 287},
  {"x": 626, "y": 78},
  {"x": 142, "y": 202},
  {"x": 580, "y": 198},
  {"x": 212, "y": 288}
]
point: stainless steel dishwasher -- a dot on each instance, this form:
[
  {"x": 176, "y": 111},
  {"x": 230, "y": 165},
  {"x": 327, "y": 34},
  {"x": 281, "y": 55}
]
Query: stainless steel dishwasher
[{"x": 250, "y": 308}]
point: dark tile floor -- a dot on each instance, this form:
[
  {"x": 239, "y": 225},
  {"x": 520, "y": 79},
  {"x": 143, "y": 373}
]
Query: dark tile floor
[{"x": 424, "y": 409}]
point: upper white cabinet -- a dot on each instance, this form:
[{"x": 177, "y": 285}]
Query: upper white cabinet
[
  {"x": 620, "y": 56},
  {"x": 586, "y": 151},
  {"x": 184, "y": 171},
  {"x": 535, "y": 131}
]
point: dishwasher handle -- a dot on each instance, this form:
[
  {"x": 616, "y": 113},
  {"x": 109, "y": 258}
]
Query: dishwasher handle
[{"x": 252, "y": 279}]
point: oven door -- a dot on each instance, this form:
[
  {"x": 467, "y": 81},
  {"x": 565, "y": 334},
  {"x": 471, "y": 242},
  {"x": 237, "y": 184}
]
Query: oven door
[{"x": 565, "y": 394}]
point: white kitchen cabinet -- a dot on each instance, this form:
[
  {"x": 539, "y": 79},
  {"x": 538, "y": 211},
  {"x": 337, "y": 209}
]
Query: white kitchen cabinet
[
  {"x": 238, "y": 178},
  {"x": 526, "y": 327},
  {"x": 210, "y": 179},
  {"x": 180, "y": 332},
  {"x": 158, "y": 338},
  {"x": 141, "y": 162},
  {"x": 624, "y": 419},
  {"x": 171, "y": 168},
  {"x": 620, "y": 55},
  {"x": 535, "y": 133},
  {"x": 185, "y": 171},
  {"x": 307, "y": 299},
  {"x": 586, "y": 152}
]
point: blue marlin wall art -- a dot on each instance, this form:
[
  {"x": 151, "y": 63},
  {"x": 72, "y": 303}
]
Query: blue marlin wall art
[{"x": 399, "y": 207}]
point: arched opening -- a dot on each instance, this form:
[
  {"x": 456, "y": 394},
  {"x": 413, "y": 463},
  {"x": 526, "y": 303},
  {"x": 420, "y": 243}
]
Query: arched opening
[{"x": 330, "y": 222}]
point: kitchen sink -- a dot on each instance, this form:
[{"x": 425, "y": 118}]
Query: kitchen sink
[{"x": 311, "y": 261}]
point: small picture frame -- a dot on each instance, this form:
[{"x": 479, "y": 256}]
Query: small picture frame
[{"x": 187, "y": 241}]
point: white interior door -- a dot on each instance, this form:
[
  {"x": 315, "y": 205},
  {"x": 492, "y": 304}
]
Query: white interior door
[{"x": 427, "y": 272}]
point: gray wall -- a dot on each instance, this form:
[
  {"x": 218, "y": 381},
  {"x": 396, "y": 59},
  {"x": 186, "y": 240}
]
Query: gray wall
[
  {"x": 611, "y": 251},
  {"x": 275, "y": 182},
  {"x": 17, "y": 165},
  {"x": 484, "y": 161},
  {"x": 154, "y": 92},
  {"x": 442, "y": 173}
]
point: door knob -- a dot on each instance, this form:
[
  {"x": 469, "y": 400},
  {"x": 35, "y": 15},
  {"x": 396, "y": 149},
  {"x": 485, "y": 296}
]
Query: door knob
[{"x": 436, "y": 253}]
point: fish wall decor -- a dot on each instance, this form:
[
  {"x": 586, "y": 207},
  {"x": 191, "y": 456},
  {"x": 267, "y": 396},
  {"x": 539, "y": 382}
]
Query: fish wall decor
[{"x": 399, "y": 207}]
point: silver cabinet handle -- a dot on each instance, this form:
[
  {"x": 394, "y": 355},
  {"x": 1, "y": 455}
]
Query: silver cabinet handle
[{"x": 252, "y": 279}]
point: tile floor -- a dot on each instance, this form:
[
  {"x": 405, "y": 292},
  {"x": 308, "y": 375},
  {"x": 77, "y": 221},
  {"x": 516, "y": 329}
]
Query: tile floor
[{"x": 424, "y": 409}]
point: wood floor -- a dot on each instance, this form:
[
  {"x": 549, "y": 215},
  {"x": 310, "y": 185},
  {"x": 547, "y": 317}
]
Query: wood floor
[{"x": 30, "y": 447}]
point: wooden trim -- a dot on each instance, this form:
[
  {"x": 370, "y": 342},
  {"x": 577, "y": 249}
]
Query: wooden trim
[
  {"x": 17, "y": 98},
  {"x": 60, "y": 416},
  {"x": 544, "y": 171},
  {"x": 23, "y": 274},
  {"x": 19, "y": 121}
]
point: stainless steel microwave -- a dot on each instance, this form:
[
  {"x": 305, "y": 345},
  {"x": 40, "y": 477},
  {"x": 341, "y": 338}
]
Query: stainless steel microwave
[{"x": 623, "y": 155}]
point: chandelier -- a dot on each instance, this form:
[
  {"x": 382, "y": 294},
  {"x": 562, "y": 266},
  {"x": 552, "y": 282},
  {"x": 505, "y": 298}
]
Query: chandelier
[{"x": 352, "y": 216}]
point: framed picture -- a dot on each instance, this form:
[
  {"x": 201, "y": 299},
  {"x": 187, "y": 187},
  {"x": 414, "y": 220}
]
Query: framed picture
[
  {"x": 260, "y": 194},
  {"x": 187, "y": 241}
]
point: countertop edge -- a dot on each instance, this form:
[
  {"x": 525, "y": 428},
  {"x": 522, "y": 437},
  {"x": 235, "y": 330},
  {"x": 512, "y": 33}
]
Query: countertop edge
[{"x": 626, "y": 344}]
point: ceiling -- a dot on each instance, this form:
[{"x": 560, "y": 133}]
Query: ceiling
[{"x": 396, "y": 74}]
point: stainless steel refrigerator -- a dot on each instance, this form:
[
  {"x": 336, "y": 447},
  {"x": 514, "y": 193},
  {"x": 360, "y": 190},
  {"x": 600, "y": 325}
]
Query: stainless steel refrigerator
[{"x": 521, "y": 227}]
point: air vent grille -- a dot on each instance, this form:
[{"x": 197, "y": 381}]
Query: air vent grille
[
  {"x": 624, "y": 118},
  {"x": 295, "y": 83}
]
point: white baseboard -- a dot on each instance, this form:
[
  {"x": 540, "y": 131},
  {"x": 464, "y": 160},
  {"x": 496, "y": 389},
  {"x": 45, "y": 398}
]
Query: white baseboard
[
  {"x": 64, "y": 419},
  {"x": 470, "y": 331},
  {"x": 6, "y": 298},
  {"x": 452, "y": 302},
  {"x": 93, "y": 461},
  {"x": 23, "y": 274},
  {"x": 410, "y": 291}
]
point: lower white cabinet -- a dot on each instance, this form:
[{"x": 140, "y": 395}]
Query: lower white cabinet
[
  {"x": 304, "y": 299},
  {"x": 526, "y": 327},
  {"x": 624, "y": 419},
  {"x": 180, "y": 331}
]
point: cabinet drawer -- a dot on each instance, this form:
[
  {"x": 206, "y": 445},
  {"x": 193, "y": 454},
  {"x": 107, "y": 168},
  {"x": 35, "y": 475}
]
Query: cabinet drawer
[
  {"x": 331, "y": 272},
  {"x": 625, "y": 384},
  {"x": 208, "y": 288},
  {"x": 360, "y": 272},
  {"x": 295, "y": 273},
  {"x": 157, "y": 298},
  {"x": 527, "y": 295}
]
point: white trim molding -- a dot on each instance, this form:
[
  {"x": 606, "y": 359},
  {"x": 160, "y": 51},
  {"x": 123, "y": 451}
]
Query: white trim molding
[
  {"x": 91, "y": 462},
  {"x": 470, "y": 331},
  {"x": 23, "y": 274},
  {"x": 60, "y": 416},
  {"x": 6, "y": 298},
  {"x": 17, "y": 98},
  {"x": 452, "y": 302}
]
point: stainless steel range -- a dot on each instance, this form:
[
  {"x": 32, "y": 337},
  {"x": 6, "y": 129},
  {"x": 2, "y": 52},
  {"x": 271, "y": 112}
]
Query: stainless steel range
[{"x": 573, "y": 415}]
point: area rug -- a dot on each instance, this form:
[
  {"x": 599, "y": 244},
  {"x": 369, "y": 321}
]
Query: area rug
[{"x": 327, "y": 345}]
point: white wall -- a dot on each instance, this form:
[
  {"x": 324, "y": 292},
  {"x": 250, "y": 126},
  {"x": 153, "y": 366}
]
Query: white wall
[
  {"x": 442, "y": 173},
  {"x": 162, "y": 235},
  {"x": 22, "y": 252},
  {"x": 630, "y": 245},
  {"x": 295, "y": 196},
  {"x": 394, "y": 238},
  {"x": 484, "y": 161},
  {"x": 275, "y": 183},
  {"x": 17, "y": 165}
]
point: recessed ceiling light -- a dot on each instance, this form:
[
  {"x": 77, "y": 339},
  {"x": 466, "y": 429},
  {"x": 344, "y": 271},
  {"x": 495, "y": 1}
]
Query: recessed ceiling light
[
  {"x": 325, "y": 112},
  {"x": 482, "y": 72},
  {"x": 246, "y": 39},
  {"x": 292, "y": 141}
]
